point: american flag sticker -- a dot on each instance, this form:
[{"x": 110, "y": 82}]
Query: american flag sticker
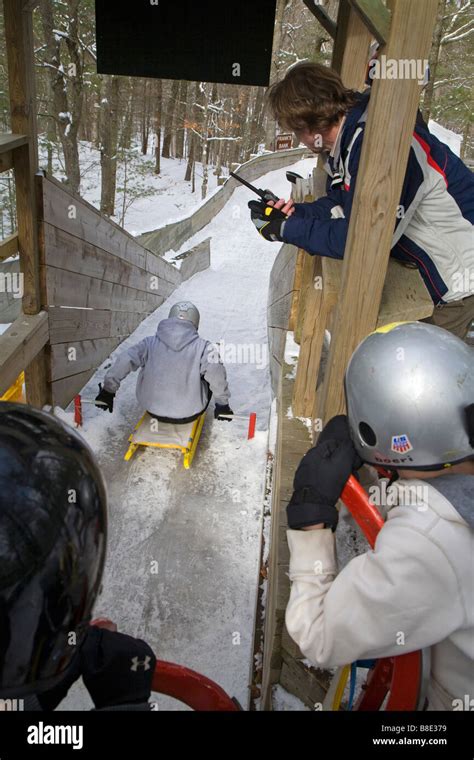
[{"x": 401, "y": 444}]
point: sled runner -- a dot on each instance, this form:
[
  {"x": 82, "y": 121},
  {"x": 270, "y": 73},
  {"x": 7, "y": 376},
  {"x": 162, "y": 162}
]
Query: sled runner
[{"x": 165, "y": 435}]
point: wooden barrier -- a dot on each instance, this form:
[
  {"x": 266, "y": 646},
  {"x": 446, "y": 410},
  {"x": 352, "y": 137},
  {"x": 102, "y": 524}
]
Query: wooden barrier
[
  {"x": 20, "y": 345},
  {"x": 280, "y": 298},
  {"x": 10, "y": 301},
  {"x": 9, "y": 246},
  {"x": 195, "y": 260},
  {"x": 98, "y": 285}
]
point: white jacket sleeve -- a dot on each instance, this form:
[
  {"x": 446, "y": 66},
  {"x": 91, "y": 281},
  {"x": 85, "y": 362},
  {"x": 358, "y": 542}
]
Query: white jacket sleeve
[
  {"x": 401, "y": 597},
  {"x": 128, "y": 361}
]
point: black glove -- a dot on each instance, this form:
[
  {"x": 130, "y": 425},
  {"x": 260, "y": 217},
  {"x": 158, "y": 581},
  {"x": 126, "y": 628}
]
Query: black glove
[
  {"x": 50, "y": 699},
  {"x": 267, "y": 219},
  {"x": 116, "y": 669},
  {"x": 321, "y": 477},
  {"x": 222, "y": 409},
  {"x": 107, "y": 398}
]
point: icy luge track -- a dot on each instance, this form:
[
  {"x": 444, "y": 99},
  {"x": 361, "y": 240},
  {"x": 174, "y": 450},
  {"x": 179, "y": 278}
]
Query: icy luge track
[{"x": 183, "y": 557}]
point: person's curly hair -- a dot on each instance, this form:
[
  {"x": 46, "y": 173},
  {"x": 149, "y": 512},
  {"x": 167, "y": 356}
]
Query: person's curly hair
[{"x": 310, "y": 96}]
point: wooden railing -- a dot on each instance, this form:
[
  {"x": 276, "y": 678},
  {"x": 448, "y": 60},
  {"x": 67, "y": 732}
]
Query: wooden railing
[
  {"x": 19, "y": 345},
  {"x": 23, "y": 341}
]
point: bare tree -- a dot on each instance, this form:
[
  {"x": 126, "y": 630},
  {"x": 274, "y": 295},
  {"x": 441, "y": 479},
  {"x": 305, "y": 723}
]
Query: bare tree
[
  {"x": 434, "y": 60},
  {"x": 66, "y": 81},
  {"x": 181, "y": 119},
  {"x": 170, "y": 110},
  {"x": 158, "y": 108},
  {"x": 194, "y": 133},
  {"x": 109, "y": 145},
  {"x": 145, "y": 125}
]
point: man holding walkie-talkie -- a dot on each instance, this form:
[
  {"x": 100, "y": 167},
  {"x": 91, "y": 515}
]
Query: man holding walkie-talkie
[{"x": 434, "y": 227}]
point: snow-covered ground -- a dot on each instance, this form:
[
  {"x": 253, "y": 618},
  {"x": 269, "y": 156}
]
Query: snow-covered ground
[
  {"x": 150, "y": 199},
  {"x": 199, "y": 529}
]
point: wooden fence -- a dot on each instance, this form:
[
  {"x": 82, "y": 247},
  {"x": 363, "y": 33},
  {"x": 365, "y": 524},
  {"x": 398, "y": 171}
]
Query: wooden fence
[{"x": 98, "y": 284}]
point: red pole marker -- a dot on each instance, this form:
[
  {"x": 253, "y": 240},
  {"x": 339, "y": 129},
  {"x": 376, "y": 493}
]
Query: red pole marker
[
  {"x": 252, "y": 423},
  {"x": 78, "y": 410}
]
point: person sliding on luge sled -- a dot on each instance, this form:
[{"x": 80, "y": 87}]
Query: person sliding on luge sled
[{"x": 179, "y": 371}]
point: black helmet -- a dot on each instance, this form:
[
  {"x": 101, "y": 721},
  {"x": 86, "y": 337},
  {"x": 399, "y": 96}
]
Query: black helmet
[{"x": 53, "y": 526}]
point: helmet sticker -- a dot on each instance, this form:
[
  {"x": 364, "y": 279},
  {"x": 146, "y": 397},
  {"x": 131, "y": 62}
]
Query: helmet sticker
[
  {"x": 388, "y": 328},
  {"x": 401, "y": 444}
]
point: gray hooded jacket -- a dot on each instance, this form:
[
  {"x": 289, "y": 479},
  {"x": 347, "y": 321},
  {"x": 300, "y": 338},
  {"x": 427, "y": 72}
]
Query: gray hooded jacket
[{"x": 176, "y": 365}]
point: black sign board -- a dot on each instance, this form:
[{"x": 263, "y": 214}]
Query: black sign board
[{"x": 198, "y": 40}]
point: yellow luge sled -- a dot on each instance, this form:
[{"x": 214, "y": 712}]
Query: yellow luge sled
[{"x": 165, "y": 435}]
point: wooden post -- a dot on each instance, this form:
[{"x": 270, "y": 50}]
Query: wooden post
[
  {"x": 318, "y": 12},
  {"x": 376, "y": 17},
  {"x": 341, "y": 35},
  {"x": 19, "y": 45},
  {"x": 351, "y": 47},
  {"x": 387, "y": 140},
  {"x": 19, "y": 42},
  {"x": 309, "y": 328}
]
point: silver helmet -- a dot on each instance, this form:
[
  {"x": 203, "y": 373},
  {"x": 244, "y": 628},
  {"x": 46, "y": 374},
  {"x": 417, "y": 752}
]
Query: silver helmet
[
  {"x": 186, "y": 310},
  {"x": 408, "y": 387}
]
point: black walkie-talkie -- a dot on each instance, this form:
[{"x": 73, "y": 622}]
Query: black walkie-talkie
[{"x": 265, "y": 195}]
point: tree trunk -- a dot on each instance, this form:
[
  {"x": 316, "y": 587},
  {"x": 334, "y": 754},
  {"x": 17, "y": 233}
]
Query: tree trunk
[
  {"x": 280, "y": 12},
  {"x": 194, "y": 132},
  {"x": 256, "y": 128},
  {"x": 181, "y": 119},
  {"x": 109, "y": 140},
  {"x": 145, "y": 118},
  {"x": 126, "y": 132},
  {"x": 51, "y": 133},
  {"x": 433, "y": 61},
  {"x": 168, "y": 135},
  {"x": 190, "y": 164},
  {"x": 198, "y": 119},
  {"x": 158, "y": 107},
  {"x": 67, "y": 90},
  {"x": 205, "y": 152}
]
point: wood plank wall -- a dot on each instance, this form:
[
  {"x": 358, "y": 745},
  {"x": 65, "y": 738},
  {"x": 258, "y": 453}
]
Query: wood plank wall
[{"x": 99, "y": 284}]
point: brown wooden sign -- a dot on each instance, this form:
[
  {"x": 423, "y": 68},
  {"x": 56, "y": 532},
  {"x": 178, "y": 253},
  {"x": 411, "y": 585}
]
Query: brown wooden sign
[{"x": 283, "y": 142}]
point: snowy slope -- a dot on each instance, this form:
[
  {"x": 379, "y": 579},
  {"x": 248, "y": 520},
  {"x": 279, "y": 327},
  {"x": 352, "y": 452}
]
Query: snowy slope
[
  {"x": 203, "y": 526},
  {"x": 154, "y": 199}
]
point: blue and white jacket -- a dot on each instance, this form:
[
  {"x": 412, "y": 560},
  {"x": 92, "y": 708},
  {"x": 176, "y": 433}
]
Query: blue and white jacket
[{"x": 435, "y": 230}]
